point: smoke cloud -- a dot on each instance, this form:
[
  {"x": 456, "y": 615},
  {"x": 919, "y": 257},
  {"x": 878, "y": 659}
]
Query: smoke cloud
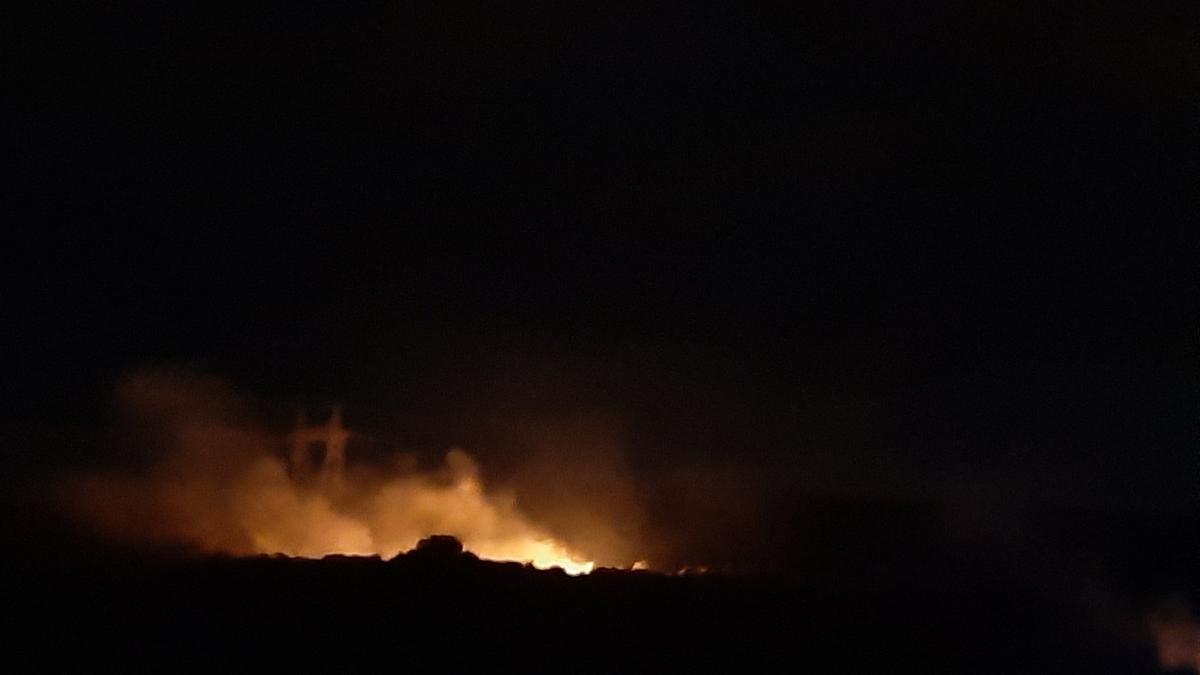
[
  {"x": 1176, "y": 634},
  {"x": 215, "y": 479}
]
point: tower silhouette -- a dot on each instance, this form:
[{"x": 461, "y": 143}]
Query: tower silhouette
[{"x": 333, "y": 436}]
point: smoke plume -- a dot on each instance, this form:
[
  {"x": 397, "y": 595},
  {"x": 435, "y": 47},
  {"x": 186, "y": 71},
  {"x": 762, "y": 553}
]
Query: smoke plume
[{"x": 219, "y": 481}]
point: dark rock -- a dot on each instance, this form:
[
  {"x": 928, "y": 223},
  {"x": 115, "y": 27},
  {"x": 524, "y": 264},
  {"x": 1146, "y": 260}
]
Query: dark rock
[{"x": 439, "y": 546}]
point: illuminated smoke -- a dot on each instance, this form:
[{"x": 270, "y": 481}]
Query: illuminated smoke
[
  {"x": 1177, "y": 638},
  {"x": 219, "y": 482}
]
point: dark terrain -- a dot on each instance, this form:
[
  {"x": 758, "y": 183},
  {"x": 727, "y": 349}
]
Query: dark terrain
[{"x": 866, "y": 602}]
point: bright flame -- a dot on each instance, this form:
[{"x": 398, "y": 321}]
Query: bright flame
[
  {"x": 223, "y": 486},
  {"x": 260, "y": 509},
  {"x": 543, "y": 554}
]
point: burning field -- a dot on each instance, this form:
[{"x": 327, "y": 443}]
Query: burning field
[
  {"x": 265, "y": 538},
  {"x": 220, "y": 483}
]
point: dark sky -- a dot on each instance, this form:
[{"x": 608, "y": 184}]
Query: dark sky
[{"x": 844, "y": 244}]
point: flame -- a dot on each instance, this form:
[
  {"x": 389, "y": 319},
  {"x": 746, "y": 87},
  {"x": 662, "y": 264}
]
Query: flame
[
  {"x": 261, "y": 510},
  {"x": 313, "y": 522},
  {"x": 543, "y": 554},
  {"x": 223, "y": 485}
]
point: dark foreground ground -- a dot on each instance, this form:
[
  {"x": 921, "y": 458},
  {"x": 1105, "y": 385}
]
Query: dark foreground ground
[{"x": 437, "y": 610}]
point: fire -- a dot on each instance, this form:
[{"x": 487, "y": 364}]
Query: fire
[
  {"x": 542, "y": 554},
  {"x": 226, "y": 487},
  {"x": 262, "y": 510}
]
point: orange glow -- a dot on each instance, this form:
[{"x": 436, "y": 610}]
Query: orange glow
[
  {"x": 225, "y": 486},
  {"x": 1177, "y": 638},
  {"x": 262, "y": 510}
]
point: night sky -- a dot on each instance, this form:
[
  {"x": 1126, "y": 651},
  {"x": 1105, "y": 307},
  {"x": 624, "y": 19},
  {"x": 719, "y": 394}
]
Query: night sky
[{"x": 841, "y": 248}]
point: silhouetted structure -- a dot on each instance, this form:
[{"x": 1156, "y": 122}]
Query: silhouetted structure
[{"x": 331, "y": 436}]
